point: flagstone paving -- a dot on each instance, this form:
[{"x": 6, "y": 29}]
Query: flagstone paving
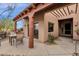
[{"x": 63, "y": 47}]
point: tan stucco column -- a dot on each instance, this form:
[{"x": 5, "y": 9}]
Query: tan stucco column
[
  {"x": 31, "y": 31},
  {"x": 42, "y": 29},
  {"x": 75, "y": 25}
]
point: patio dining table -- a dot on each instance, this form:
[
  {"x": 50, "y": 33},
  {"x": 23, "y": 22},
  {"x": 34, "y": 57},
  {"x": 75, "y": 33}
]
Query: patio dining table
[{"x": 12, "y": 37}]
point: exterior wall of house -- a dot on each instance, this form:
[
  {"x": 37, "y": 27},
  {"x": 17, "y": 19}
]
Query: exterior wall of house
[
  {"x": 48, "y": 17},
  {"x": 54, "y": 21},
  {"x": 77, "y": 19},
  {"x": 43, "y": 20},
  {"x": 41, "y": 28}
]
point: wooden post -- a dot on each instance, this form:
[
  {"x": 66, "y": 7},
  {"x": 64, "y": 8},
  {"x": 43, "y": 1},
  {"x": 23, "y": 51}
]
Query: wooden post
[
  {"x": 0, "y": 41},
  {"x": 31, "y": 32},
  {"x": 15, "y": 26}
]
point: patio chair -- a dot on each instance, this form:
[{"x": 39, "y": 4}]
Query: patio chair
[
  {"x": 19, "y": 38},
  {"x": 11, "y": 36},
  {"x": 3, "y": 34}
]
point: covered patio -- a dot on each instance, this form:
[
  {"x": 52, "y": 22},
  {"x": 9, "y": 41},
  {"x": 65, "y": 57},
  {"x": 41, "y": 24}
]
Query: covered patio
[
  {"x": 37, "y": 12},
  {"x": 42, "y": 14}
]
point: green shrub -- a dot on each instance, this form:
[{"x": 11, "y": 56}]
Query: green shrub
[
  {"x": 77, "y": 30},
  {"x": 51, "y": 39}
]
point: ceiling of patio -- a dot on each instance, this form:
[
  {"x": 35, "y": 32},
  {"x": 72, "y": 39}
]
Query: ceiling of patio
[{"x": 64, "y": 11}]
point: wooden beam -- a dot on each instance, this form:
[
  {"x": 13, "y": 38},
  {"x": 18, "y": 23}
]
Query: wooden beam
[
  {"x": 68, "y": 10},
  {"x": 31, "y": 32},
  {"x": 24, "y": 13},
  {"x": 64, "y": 11},
  {"x": 17, "y": 17},
  {"x": 21, "y": 14},
  {"x": 33, "y": 6},
  {"x": 27, "y": 10},
  {"x": 15, "y": 26},
  {"x": 76, "y": 8},
  {"x": 53, "y": 14},
  {"x": 58, "y": 13},
  {"x": 61, "y": 12}
]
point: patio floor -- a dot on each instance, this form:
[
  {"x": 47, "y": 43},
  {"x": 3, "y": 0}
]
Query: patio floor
[{"x": 63, "y": 47}]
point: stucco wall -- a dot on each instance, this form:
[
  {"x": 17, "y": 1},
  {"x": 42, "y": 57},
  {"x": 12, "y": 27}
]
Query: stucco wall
[
  {"x": 43, "y": 20},
  {"x": 49, "y": 18}
]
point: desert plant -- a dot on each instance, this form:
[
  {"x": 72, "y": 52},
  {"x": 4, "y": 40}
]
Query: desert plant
[
  {"x": 77, "y": 31},
  {"x": 51, "y": 39}
]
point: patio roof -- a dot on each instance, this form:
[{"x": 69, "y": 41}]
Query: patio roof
[
  {"x": 35, "y": 6},
  {"x": 26, "y": 10}
]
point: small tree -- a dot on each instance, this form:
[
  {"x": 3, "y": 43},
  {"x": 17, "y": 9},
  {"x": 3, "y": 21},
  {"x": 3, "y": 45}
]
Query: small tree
[{"x": 6, "y": 24}]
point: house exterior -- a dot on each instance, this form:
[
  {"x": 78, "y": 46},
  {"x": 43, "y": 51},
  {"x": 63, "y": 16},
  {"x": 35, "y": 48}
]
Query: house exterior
[{"x": 58, "y": 19}]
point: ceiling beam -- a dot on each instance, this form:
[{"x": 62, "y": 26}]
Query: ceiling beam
[
  {"x": 24, "y": 13},
  {"x": 53, "y": 14},
  {"x": 76, "y": 8},
  {"x": 68, "y": 10},
  {"x": 64, "y": 11},
  {"x": 61, "y": 12},
  {"x": 27, "y": 10},
  {"x": 58, "y": 13},
  {"x": 33, "y": 6}
]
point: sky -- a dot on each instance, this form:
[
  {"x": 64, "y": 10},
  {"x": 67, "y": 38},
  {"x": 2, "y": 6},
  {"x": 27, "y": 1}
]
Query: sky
[{"x": 8, "y": 10}]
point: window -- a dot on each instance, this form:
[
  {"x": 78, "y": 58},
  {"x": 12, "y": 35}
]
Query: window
[
  {"x": 50, "y": 27},
  {"x": 36, "y": 30},
  {"x": 36, "y": 26}
]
